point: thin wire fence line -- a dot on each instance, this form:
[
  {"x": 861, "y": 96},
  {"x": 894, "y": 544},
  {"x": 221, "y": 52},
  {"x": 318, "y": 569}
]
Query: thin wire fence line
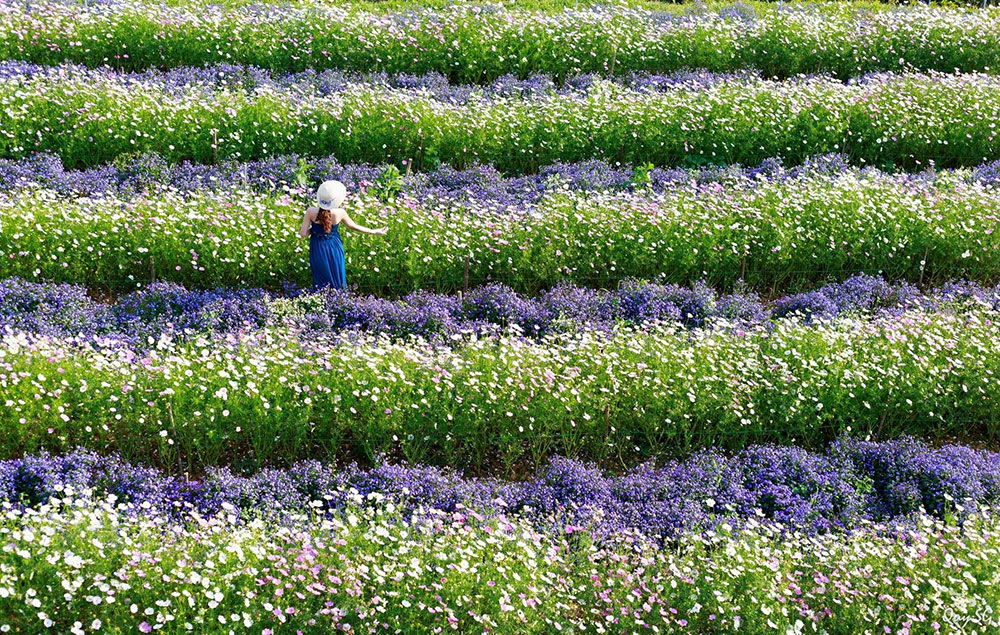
[
  {"x": 582, "y": 446},
  {"x": 749, "y": 430},
  {"x": 568, "y": 277},
  {"x": 954, "y": 161},
  {"x": 394, "y": 291},
  {"x": 771, "y": 433}
]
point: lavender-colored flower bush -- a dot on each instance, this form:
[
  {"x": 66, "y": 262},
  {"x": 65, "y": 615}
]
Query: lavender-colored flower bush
[
  {"x": 67, "y": 310},
  {"x": 133, "y": 174},
  {"x": 817, "y": 492},
  {"x": 324, "y": 83},
  {"x": 859, "y": 293}
]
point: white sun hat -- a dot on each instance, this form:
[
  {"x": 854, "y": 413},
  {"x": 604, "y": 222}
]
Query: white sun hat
[{"x": 330, "y": 194}]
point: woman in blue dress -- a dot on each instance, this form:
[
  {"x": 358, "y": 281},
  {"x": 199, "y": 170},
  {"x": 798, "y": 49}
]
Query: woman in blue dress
[{"x": 321, "y": 224}]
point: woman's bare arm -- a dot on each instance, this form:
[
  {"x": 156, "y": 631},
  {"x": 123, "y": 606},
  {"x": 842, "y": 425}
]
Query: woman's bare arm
[
  {"x": 306, "y": 220},
  {"x": 361, "y": 228}
]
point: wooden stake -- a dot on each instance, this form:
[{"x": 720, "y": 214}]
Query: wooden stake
[{"x": 465, "y": 277}]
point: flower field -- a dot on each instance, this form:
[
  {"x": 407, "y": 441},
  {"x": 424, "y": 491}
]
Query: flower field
[
  {"x": 773, "y": 233},
  {"x": 686, "y": 318},
  {"x": 812, "y": 492},
  {"x": 374, "y": 571},
  {"x": 267, "y": 396},
  {"x": 906, "y": 119},
  {"x": 139, "y": 318},
  {"x": 471, "y": 43}
]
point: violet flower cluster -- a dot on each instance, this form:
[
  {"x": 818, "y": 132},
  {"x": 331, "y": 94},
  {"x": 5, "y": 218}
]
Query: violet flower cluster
[
  {"x": 132, "y": 175},
  {"x": 848, "y": 484},
  {"x": 67, "y": 310},
  {"x": 323, "y": 83}
]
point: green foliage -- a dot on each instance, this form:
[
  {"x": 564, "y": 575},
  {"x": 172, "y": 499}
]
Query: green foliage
[
  {"x": 273, "y": 397},
  {"x": 388, "y": 184},
  {"x": 846, "y": 39},
  {"x": 85, "y": 562},
  {"x": 777, "y": 235},
  {"x": 907, "y": 121},
  {"x": 302, "y": 178},
  {"x": 641, "y": 176}
]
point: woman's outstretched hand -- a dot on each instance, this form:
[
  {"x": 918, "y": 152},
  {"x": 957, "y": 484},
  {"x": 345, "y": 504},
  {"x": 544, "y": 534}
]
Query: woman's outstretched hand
[{"x": 347, "y": 220}]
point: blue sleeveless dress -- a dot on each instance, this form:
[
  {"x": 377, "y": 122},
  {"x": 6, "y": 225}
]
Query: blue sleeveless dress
[{"x": 326, "y": 257}]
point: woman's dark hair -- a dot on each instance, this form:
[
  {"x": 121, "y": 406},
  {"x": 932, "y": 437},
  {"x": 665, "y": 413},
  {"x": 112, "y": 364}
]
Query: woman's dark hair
[{"x": 325, "y": 218}]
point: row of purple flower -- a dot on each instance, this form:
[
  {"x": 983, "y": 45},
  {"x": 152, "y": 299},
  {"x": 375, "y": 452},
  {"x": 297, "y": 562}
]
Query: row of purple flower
[
  {"x": 67, "y": 310},
  {"x": 483, "y": 184},
  {"x": 851, "y": 482},
  {"x": 324, "y": 83}
]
